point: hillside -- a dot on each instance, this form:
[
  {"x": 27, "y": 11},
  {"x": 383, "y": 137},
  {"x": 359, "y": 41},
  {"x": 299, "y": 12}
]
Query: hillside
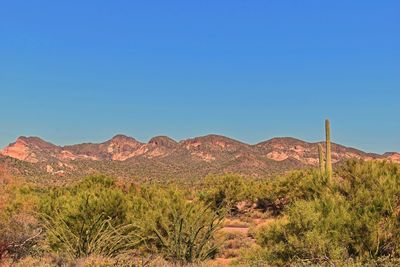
[{"x": 163, "y": 157}]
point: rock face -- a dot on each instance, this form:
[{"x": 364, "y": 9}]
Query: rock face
[
  {"x": 31, "y": 149},
  {"x": 120, "y": 147},
  {"x": 392, "y": 156},
  {"x": 163, "y": 141},
  {"x": 280, "y": 149},
  {"x": 197, "y": 156}
]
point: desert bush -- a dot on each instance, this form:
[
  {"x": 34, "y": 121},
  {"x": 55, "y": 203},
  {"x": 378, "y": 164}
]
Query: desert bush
[
  {"x": 226, "y": 191},
  {"x": 372, "y": 190},
  {"x": 180, "y": 230},
  {"x": 96, "y": 218},
  {"x": 19, "y": 229},
  {"x": 278, "y": 193},
  {"x": 19, "y": 235},
  {"x": 88, "y": 218},
  {"x": 315, "y": 230},
  {"x": 354, "y": 217}
]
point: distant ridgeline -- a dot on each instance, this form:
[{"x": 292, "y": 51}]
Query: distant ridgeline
[{"x": 163, "y": 157}]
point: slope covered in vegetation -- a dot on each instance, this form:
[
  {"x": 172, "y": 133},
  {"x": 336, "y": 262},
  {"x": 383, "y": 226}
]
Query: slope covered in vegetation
[{"x": 353, "y": 218}]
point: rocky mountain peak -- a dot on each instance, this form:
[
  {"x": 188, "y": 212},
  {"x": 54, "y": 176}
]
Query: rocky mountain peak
[
  {"x": 35, "y": 141},
  {"x": 163, "y": 141},
  {"x": 210, "y": 153},
  {"x": 122, "y": 138},
  {"x": 30, "y": 149}
]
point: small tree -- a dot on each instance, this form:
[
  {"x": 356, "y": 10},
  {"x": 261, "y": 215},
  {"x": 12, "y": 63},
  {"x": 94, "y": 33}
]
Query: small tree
[
  {"x": 226, "y": 191},
  {"x": 180, "y": 230},
  {"x": 356, "y": 217},
  {"x": 89, "y": 218}
]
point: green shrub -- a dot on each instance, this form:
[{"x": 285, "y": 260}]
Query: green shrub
[
  {"x": 95, "y": 217},
  {"x": 89, "y": 218},
  {"x": 315, "y": 230},
  {"x": 354, "y": 217},
  {"x": 180, "y": 230},
  {"x": 372, "y": 190},
  {"x": 226, "y": 191},
  {"x": 284, "y": 190}
]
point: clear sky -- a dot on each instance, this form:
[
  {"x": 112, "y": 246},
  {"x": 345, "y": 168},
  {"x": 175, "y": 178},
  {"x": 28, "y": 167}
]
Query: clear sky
[{"x": 76, "y": 71}]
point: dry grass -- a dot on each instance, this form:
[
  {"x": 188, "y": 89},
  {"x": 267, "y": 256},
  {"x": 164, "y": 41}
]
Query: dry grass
[
  {"x": 235, "y": 223},
  {"x": 99, "y": 261}
]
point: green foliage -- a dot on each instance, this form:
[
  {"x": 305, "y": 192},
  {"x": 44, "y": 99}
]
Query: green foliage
[
  {"x": 351, "y": 220},
  {"x": 314, "y": 230},
  {"x": 226, "y": 191},
  {"x": 180, "y": 230},
  {"x": 286, "y": 189},
  {"x": 95, "y": 217},
  {"x": 356, "y": 217},
  {"x": 88, "y": 219},
  {"x": 373, "y": 192}
]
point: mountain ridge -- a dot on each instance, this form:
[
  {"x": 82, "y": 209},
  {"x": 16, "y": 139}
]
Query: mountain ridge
[{"x": 164, "y": 156}]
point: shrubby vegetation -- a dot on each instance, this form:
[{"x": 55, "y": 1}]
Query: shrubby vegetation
[
  {"x": 98, "y": 217},
  {"x": 350, "y": 219},
  {"x": 89, "y": 218},
  {"x": 285, "y": 190},
  {"x": 180, "y": 230},
  {"x": 20, "y": 231},
  {"x": 355, "y": 217},
  {"x": 226, "y": 191},
  {"x": 18, "y": 236}
]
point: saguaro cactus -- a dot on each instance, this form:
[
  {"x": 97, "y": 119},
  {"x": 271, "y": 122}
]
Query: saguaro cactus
[
  {"x": 321, "y": 159},
  {"x": 328, "y": 166}
]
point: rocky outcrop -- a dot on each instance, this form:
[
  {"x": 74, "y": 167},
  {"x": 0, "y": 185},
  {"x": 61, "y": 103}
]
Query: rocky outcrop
[
  {"x": 163, "y": 141},
  {"x": 392, "y": 156},
  {"x": 31, "y": 149},
  {"x": 211, "y": 153}
]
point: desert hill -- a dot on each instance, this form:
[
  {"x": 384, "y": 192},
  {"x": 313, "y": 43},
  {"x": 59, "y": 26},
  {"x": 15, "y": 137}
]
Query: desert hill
[{"x": 163, "y": 157}]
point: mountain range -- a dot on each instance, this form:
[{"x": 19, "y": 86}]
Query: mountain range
[{"x": 163, "y": 157}]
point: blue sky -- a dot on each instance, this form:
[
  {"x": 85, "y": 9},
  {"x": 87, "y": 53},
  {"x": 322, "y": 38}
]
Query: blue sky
[{"x": 76, "y": 71}]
